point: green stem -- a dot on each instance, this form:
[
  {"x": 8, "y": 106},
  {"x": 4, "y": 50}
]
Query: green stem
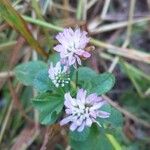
[
  {"x": 42, "y": 23},
  {"x": 114, "y": 142},
  {"x": 62, "y": 90},
  {"x": 77, "y": 76},
  {"x": 79, "y": 10}
]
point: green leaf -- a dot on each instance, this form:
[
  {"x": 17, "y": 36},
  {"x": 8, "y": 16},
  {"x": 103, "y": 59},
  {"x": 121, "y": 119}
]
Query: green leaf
[
  {"x": 26, "y": 72},
  {"x": 102, "y": 83},
  {"x": 79, "y": 136},
  {"x": 49, "y": 107},
  {"x": 42, "y": 101},
  {"x": 115, "y": 119},
  {"x": 95, "y": 141},
  {"x": 48, "y": 118},
  {"x": 85, "y": 74},
  {"x": 16, "y": 21},
  {"x": 42, "y": 82},
  {"x": 106, "y": 108}
]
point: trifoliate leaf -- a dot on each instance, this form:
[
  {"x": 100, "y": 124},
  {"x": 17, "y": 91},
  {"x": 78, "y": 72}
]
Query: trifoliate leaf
[
  {"x": 85, "y": 74},
  {"x": 26, "y": 72},
  {"x": 102, "y": 83},
  {"x": 49, "y": 107},
  {"x": 42, "y": 82}
]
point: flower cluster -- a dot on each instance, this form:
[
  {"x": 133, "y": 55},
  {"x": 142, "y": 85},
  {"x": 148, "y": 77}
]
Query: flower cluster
[
  {"x": 72, "y": 45},
  {"x": 71, "y": 48},
  {"x": 83, "y": 110},
  {"x": 59, "y": 75}
]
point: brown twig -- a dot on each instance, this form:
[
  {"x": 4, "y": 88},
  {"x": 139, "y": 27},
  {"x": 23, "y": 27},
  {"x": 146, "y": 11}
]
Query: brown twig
[
  {"x": 6, "y": 74},
  {"x": 51, "y": 133},
  {"x": 15, "y": 52},
  {"x": 113, "y": 26},
  {"x": 122, "y": 17},
  {"x": 128, "y": 35},
  {"x": 3, "y": 26},
  {"x": 5, "y": 122},
  {"x": 46, "y": 138},
  {"x": 124, "y": 52},
  {"x": 58, "y": 6},
  {"x": 17, "y": 101},
  {"x": 26, "y": 138}
]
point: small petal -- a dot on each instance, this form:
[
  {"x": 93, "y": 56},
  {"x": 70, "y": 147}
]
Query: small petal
[
  {"x": 68, "y": 111},
  {"x": 88, "y": 122},
  {"x": 103, "y": 114},
  {"x": 93, "y": 114},
  {"x": 81, "y": 95},
  {"x": 68, "y": 104},
  {"x": 71, "y": 59},
  {"x": 81, "y": 128},
  {"x": 69, "y": 98},
  {"x": 65, "y": 120},
  {"x": 73, "y": 126},
  {"x": 80, "y": 104},
  {"x": 86, "y": 54},
  {"x": 97, "y": 106},
  {"x": 91, "y": 98},
  {"x": 78, "y": 60},
  {"x": 80, "y": 121},
  {"x": 59, "y": 48}
]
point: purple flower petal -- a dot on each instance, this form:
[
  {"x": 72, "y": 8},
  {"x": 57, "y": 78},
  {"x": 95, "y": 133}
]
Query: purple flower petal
[
  {"x": 93, "y": 114},
  {"x": 65, "y": 120},
  {"x": 80, "y": 129},
  {"x": 91, "y": 98},
  {"x": 68, "y": 104},
  {"x": 86, "y": 54},
  {"x": 80, "y": 93},
  {"x": 88, "y": 122},
  {"x": 83, "y": 110},
  {"x": 68, "y": 111},
  {"x": 73, "y": 126},
  {"x": 70, "y": 99},
  {"x": 78, "y": 60},
  {"x": 97, "y": 106},
  {"x": 79, "y": 121},
  {"x": 59, "y": 48},
  {"x": 103, "y": 114}
]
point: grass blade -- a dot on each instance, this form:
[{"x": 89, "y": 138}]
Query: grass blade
[{"x": 16, "y": 21}]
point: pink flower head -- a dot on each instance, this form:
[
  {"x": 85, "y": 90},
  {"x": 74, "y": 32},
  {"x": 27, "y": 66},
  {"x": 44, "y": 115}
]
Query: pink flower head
[
  {"x": 58, "y": 75},
  {"x": 83, "y": 110},
  {"x": 72, "y": 45}
]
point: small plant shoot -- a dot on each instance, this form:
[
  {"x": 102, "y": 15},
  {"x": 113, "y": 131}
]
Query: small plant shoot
[{"x": 70, "y": 94}]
